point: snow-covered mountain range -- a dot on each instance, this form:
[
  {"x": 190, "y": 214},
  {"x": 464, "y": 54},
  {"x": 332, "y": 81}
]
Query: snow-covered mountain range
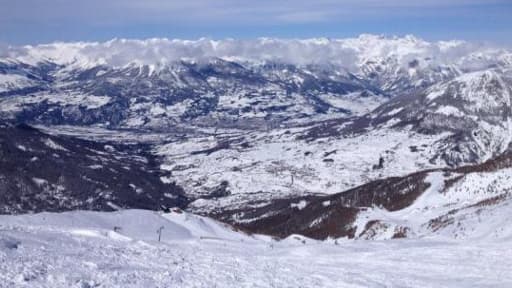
[
  {"x": 159, "y": 82},
  {"x": 263, "y": 133}
]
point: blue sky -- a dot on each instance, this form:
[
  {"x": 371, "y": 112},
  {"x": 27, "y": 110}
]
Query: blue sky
[{"x": 43, "y": 21}]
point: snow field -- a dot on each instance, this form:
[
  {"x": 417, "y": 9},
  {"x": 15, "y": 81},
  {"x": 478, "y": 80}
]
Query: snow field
[{"x": 75, "y": 250}]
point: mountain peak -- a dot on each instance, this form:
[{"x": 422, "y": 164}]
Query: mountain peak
[{"x": 482, "y": 91}]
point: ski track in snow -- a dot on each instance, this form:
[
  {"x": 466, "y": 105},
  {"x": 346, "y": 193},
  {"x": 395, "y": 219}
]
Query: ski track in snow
[{"x": 78, "y": 249}]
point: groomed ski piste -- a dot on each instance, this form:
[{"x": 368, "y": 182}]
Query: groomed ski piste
[{"x": 121, "y": 249}]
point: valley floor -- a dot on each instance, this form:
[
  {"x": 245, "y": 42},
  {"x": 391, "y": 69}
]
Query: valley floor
[{"x": 81, "y": 249}]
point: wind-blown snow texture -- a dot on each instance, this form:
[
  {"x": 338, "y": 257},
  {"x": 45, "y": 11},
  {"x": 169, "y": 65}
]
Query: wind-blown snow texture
[{"x": 81, "y": 249}]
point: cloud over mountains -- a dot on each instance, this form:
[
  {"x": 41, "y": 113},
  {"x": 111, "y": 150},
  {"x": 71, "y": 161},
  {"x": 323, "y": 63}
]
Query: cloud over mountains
[{"x": 347, "y": 53}]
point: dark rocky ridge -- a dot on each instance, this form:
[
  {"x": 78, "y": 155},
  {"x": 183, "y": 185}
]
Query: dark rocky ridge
[{"x": 39, "y": 172}]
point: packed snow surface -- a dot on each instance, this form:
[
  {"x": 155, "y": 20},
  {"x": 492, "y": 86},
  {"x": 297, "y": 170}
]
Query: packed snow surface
[{"x": 93, "y": 249}]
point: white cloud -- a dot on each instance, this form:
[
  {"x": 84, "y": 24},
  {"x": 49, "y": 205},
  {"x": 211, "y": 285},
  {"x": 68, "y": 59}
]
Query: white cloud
[{"x": 343, "y": 52}]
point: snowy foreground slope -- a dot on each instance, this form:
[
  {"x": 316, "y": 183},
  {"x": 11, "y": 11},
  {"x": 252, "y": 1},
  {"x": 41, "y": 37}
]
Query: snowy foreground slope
[{"x": 81, "y": 249}]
